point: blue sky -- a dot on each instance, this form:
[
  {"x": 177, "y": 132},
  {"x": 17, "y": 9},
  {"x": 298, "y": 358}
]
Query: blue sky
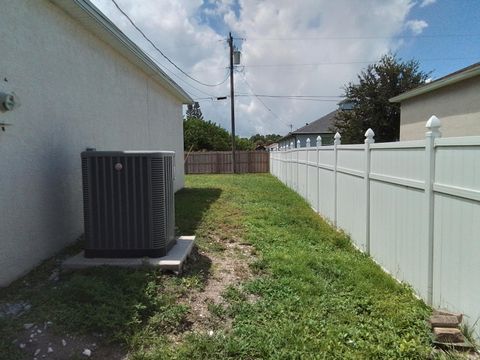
[
  {"x": 304, "y": 47},
  {"x": 449, "y": 41},
  {"x": 446, "y": 17}
]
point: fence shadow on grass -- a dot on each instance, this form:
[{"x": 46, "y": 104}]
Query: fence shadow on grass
[{"x": 190, "y": 206}]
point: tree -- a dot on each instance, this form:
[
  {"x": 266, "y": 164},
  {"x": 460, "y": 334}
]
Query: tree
[
  {"x": 204, "y": 135},
  {"x": 268, "y": 139},
  {"x": 193, "y": 111},
  {"x": 370, "y": 98},
  {"x": 244, "y": 144}
]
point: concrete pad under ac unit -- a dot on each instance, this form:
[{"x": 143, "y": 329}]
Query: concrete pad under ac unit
[{"x": 173, "y": 261}]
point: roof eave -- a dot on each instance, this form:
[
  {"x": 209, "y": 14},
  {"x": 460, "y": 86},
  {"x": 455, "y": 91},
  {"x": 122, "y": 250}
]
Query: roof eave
[
  {"x": 449, "y": 80},
  {"x": 313, "y": 132},
  {"x": 90, "y": 17}
]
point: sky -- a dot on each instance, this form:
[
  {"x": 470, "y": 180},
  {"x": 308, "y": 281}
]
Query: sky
[{"x": 293, "y": 48}]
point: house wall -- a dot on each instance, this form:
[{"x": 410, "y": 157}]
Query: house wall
[
  {"x": 458, "y": 106},
  {"x": 76, "y": 92}
]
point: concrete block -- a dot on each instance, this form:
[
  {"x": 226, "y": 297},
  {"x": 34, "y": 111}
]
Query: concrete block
[
  {"x": 172, "y": 261},
  {"x": 448, "y": 335},
  {"x": 444, "y": 321},
  {"x": 445, "y": 312}
]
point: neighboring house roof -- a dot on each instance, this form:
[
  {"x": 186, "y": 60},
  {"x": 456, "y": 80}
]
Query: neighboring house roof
[
  {"x": 457, "y": 76},
  {"x": 94, "y": 20},
  {"x": 319, "y": 126}
]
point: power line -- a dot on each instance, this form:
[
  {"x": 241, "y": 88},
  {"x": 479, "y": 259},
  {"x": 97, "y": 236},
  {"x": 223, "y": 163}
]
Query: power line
[
  {"x": 261, "y": 101},
  {"x": 292, "y": 98},
  {"x": 313, "y": 97},
  {"x": 352, "y": 62},
  {"x": 364, "y": 37},
  {"x": 278, "y": 97},
  {"x": 204, "y": 99},
  {"x": 327, "y": 98},
  {"x": 215, "y": 42},
  {"x": 183, "y": 80},
  {"x": 160, "y": 51},
  {"x": 349, "y": 62},
  {"x": 301, "y": 96}
]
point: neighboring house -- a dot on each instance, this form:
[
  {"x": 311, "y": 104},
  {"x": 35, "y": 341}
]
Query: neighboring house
[
  {"x": 454, "y": 98},
  {"x": 311, "y": 131},
  {"x": 272, "y": 147},
  {"x": 82, "y": 83}
]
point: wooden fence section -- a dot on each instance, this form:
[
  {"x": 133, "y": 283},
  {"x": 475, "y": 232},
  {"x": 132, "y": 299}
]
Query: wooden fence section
[{"x": 220, "y": 162}]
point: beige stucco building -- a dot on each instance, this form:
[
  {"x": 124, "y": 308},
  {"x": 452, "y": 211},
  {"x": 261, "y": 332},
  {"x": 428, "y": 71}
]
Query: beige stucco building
[
  {"x": 454, "y": 98},
  {"x": 81, "y": 83}
]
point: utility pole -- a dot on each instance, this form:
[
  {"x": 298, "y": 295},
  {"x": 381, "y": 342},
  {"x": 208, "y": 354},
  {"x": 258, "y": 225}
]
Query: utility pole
[{"x": 232, "y": 101}]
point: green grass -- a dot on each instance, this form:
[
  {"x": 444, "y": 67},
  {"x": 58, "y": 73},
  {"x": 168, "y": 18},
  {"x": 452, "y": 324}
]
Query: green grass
[{"x": 316, "y": 296}]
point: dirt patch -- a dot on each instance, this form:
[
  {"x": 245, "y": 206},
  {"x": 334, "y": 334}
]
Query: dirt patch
[
  {"x": 223, "y": 262},
  {"x": 230, "y": 267}
]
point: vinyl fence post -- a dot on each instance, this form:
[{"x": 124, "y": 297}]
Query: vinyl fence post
[
  {"x": 278, "y": 154},
  {"x": 336, "y": 142},
  {"x": 308, "y": 168},
  {"x": 298, "y": 165},
  {"x": 291, "y": 166},
  {"x": 272, "y": 168},
  {"x": 285, "y": 164},
  {"x": 319, "y": 143},
  {"x": 369, "y": 134},
  {"x": 433, "y": 131}
]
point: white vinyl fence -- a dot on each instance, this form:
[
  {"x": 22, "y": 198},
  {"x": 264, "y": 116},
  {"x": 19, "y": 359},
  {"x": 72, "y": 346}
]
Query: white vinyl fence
[{"x": 414, "y": 206}]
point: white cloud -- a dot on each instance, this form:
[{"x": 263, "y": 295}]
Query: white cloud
[
  {"x": 427, "y": 2},
  {"x": 340, "y": 34},
  {"x": 416, "y": 26}
]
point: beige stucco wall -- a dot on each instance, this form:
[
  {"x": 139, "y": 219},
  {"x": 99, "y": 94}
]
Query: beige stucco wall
[
  {"x": 457, "y": 106},
  {"x": 76, "y": 92}
]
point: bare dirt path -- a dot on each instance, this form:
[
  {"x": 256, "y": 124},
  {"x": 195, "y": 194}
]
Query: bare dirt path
[{"x": 230, "y": 267}]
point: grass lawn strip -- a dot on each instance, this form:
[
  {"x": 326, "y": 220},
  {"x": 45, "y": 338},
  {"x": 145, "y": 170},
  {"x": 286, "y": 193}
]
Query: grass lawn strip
[{"x": 271, "y": 280}]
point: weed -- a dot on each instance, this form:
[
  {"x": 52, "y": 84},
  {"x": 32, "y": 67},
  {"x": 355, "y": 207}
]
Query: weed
[
  {"x": 217, "y": 310},
  {"x": 470, "y": 334}
]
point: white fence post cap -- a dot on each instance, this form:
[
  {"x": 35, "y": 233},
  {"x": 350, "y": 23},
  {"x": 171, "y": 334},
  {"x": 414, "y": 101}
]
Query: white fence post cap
[
  {"x": 369, "y": 134},
  {"x": 337, "y": 138},
  {"x": 433, "y": 126},
  {"x": 308, "y": 142},
  {"x": 433, "y": 123},
  {"x": 319, "y": 141}
]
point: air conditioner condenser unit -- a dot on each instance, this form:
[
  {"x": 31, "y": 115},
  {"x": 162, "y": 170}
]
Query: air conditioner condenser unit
[{"x": 128, "y": 201}]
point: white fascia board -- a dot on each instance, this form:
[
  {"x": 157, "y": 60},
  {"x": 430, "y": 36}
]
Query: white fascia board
[
  {"x": 434, "y": 85},
  {"x": 94, "y": 20}
]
